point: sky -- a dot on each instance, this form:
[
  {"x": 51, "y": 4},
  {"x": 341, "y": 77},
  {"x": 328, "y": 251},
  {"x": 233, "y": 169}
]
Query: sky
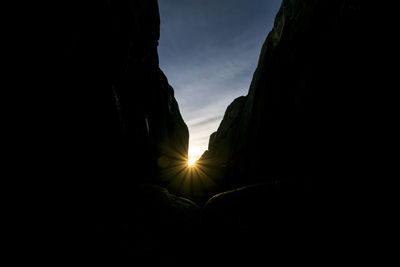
[{"x": 209, "y": 51}]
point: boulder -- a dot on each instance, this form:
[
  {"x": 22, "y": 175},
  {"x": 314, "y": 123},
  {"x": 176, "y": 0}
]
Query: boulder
[
  {"x": 162, "y": 229},
  {"x": 267, "y": 222}
]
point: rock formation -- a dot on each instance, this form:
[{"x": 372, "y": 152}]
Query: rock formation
[
  {"x": 120, "y": 113},
  {"x": 120, "y": 126},
  {"x": 275, "y": 132},
  {"x": 289, "y": 131}
]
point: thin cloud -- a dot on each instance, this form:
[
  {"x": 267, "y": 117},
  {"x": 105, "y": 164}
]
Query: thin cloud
[{"x": 206, "y": 121}]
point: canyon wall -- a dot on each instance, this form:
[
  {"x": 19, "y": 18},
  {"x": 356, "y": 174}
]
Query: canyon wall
[
  {"x": 116, "y": 126},
  {"x": 297, "y": 106},
  {"x": 301, "y": 124},
  {"x": 119, "y": 119}
]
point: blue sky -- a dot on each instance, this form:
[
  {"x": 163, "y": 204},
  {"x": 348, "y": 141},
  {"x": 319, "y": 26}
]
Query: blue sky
[{"x": 209, "y": 51}]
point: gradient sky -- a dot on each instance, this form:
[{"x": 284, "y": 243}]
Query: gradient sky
[{"x": 209, "y": 51}]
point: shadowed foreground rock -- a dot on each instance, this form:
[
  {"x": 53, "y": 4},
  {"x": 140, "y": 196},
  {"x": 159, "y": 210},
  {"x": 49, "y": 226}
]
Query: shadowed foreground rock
[
  {"x": 261, "y": 223},
  {"x": 163, "y": 230}
]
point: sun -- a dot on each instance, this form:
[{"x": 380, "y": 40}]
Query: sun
[{"x": 191, "y": 162}]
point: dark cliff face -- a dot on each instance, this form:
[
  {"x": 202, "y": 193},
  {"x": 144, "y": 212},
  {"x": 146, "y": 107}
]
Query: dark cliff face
[
  {"x": 119, "y": 115},
  {"x": 119, "y": 127},
  {"x": 297, "y": 102}
]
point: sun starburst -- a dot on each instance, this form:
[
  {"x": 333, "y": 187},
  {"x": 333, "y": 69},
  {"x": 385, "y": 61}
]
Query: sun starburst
[{"x": 191, "y": 162}]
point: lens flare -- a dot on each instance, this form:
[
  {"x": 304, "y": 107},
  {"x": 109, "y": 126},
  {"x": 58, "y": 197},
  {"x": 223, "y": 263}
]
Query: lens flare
[
  {"x": 191, "y": 162},
  {"x": 187, "y": 175}
]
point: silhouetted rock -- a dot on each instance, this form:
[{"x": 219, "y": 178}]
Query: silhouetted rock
[
  {"x": 260, "y": 223},
  {"x": 293, "y": 126},
  {"x": 119, "y": 114},
  {"x": 165, "y": 225},
  {"x": 161, "y": 230},
  {"x": 155, "y": 199},
  {"x": 117, "y": 118},
  {"x": 227, "y": 132},
  {"x": 298, "y": 101}
]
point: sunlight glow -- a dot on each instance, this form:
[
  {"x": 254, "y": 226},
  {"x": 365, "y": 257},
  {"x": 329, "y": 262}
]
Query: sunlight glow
[
  {"x": 194, "y": 154},
  {"x": 188, "y": 175},
  {"x": 191, "y": 162}
]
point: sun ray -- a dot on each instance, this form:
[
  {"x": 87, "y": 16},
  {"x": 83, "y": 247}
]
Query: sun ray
[
  {"x": 205, "y": 171},
  {"x": 187, "y": 175},
  {"x": 206, "y": 177}
]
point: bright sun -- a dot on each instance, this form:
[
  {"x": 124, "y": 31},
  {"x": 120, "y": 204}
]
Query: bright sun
[{"x": 191, "y": 162}]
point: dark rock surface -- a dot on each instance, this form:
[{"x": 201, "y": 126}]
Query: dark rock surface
[
  {"x": 117, "y": 126},
  {"x": 118, "y": 112},
  {"x": 165, "y": 230},
  {"x": 291, "y": 123},
  {"x": 262, "y": 222},
  {"x": 293, "y": 127}
]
